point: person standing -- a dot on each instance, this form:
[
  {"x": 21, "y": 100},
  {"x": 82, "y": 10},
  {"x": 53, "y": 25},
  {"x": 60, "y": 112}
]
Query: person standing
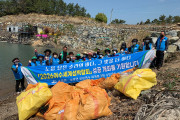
[
  {"x": 135, "y": 47},
  {"x": 147, "y": 44},
  {"x": 161, "y": 48},
  {"x": 63, "y": 54},
  {"x": 16, "y": 68},
  {"x": 55, "y": 60}
]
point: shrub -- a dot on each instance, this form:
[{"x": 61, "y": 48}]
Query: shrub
[{"x": 101, "y": 17}]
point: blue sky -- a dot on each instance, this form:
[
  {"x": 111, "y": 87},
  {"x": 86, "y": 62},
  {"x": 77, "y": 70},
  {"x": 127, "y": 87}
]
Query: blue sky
[{"x": 132, "y": 11}]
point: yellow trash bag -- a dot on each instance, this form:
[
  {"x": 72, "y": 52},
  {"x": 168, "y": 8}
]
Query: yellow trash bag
[
  {"x": 30, "y": 101},
  {"x": 141, "y": 79}
]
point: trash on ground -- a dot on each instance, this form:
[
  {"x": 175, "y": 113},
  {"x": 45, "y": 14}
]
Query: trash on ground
[{"x": 132, "y": 85}]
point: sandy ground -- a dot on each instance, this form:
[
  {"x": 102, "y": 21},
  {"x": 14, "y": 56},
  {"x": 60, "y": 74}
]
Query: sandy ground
[{"x": 121, "y": 106}]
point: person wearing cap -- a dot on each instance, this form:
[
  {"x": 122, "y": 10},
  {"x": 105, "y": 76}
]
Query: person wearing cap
[
  {"x": 123, "y": 49},
  {"x": 40, "y": 60},
  {"x": 55, "y": 60},
  {"x": 47, "y": 57},
  {"x": 89, "y": 57},
  {"x": 78, "y": 58},
  {"x": 100, "y": 56},
  {"x": 63, "y": 54},
  {"x": 147, "y": 44},
  {"x": 135, "y": 47},
  {"x": 115, "y": 52},
  {"x": 161, "y": 48},
  {"x": 16, "y": 68},
  {"x": 85, "y": 54},
  {"x": 68, "y": 59},
  {"x": 107, "y": 52},
  {"x": 33, "y": 61},
  {"x": 95, "y": 56}
]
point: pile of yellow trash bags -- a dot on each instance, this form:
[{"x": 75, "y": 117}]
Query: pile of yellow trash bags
[{"x": 86, "y": 100}]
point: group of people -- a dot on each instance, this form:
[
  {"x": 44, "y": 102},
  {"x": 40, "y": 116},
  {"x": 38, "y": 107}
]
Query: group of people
[{"x": 64, "y": 57}]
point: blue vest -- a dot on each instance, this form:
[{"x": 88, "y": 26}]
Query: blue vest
[
  {"x": 66, "y": 61},
  {"x": 41, "y": 64},
  {"x": 135, "y": 48},
  {"x": 33, "y": 64},
  {"x": 161, "y": 45},
  {"x": 18, "y": 75},
  {"x": 144, "y": 46},
  {"x": 80, "y": 60},
  {"x": 55, "y": 61}
]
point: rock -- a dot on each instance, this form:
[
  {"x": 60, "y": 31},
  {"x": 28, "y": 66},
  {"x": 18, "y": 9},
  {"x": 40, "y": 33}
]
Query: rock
[
  {"x": 172, "y": 48},
  {"x": 173, "y": 40},
  {"x": 173, "y": 33},
  {"x": 154, "y": 39},
  {"x": 155, "y": 34},
  {"x": 177, "y": 44},
  {"x": 178, "y": 34}
]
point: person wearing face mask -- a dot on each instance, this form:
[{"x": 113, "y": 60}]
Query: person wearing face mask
[
  {"x": 161, "y": 48},
  {"x": 40, "y": 60},
  {"x": 107, "y": 52},
  {"x": 115, "y": 52},
  {"x": 100, "y": 56},
  {"x": 63, "y": 54},
  {"x": 16, "y": 68},
  {"x": 55, "y": 60},
  {"x": 123, "y": 49},
  {"x": 68, "y": 59},
  {"x": 72, "y": 58},
  {"x": 78, "y": 58},
  {"x": 135, "y": 47},
  {"x": 33, "y": 61},
  {"x": 95, "y": 56},
  {"x": 147, "y": 44}
]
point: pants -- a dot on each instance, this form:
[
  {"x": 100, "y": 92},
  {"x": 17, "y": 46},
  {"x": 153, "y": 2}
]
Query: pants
[
  {"x": 18, "y": 83},
  {"x": 159, "y": 58}
]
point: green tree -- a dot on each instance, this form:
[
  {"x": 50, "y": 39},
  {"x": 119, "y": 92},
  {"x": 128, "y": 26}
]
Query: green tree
[
  {"x": 155, "y": 21},
  {"x": 116, "y": 21},
  {"x": 162, "y": 19},
  {"x": 101, "y": 17},
  {"x": 147, "y": 21},
  {"x": 169, "y": 19},
  {"x": 176, "y": 19}
]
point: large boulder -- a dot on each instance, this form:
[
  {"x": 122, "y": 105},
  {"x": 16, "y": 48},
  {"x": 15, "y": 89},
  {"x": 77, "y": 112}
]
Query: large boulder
[
  {"x": 173, "y": 40},
  {"x": 172, "y": 48},
  {"x": 155, "y": 34},
  {"x": 154, "y": 39},
  {"x": 173, "y": 33},
  {"x": 177, "y": 44}
]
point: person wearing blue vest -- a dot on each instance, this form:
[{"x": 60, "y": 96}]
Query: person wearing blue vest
[
  {"x": 107, "y": 53},
  {"x": 95, "y": 56},
  {"x": 78, "y": 58},
  {"x": 55, "y": 60},
  {"x": 16, "y": 68},
  {"x": 33, "y": 61},
  {"x": 135, "y": 47},
  {"x": 68, "y": 59},
  {"x": 85, "y": 54},
  {"x": 161, "y": 48},
  {"x": 47, "y": 57},
  {"x": 123, "y": 49},
  {"x": 115, "y": 52},
  {"x": 40, "y": 60},
  {"x": 89, "y": 57},
  {"x": 147, "y": 44},
  {"x": 100, "y": 56}
]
